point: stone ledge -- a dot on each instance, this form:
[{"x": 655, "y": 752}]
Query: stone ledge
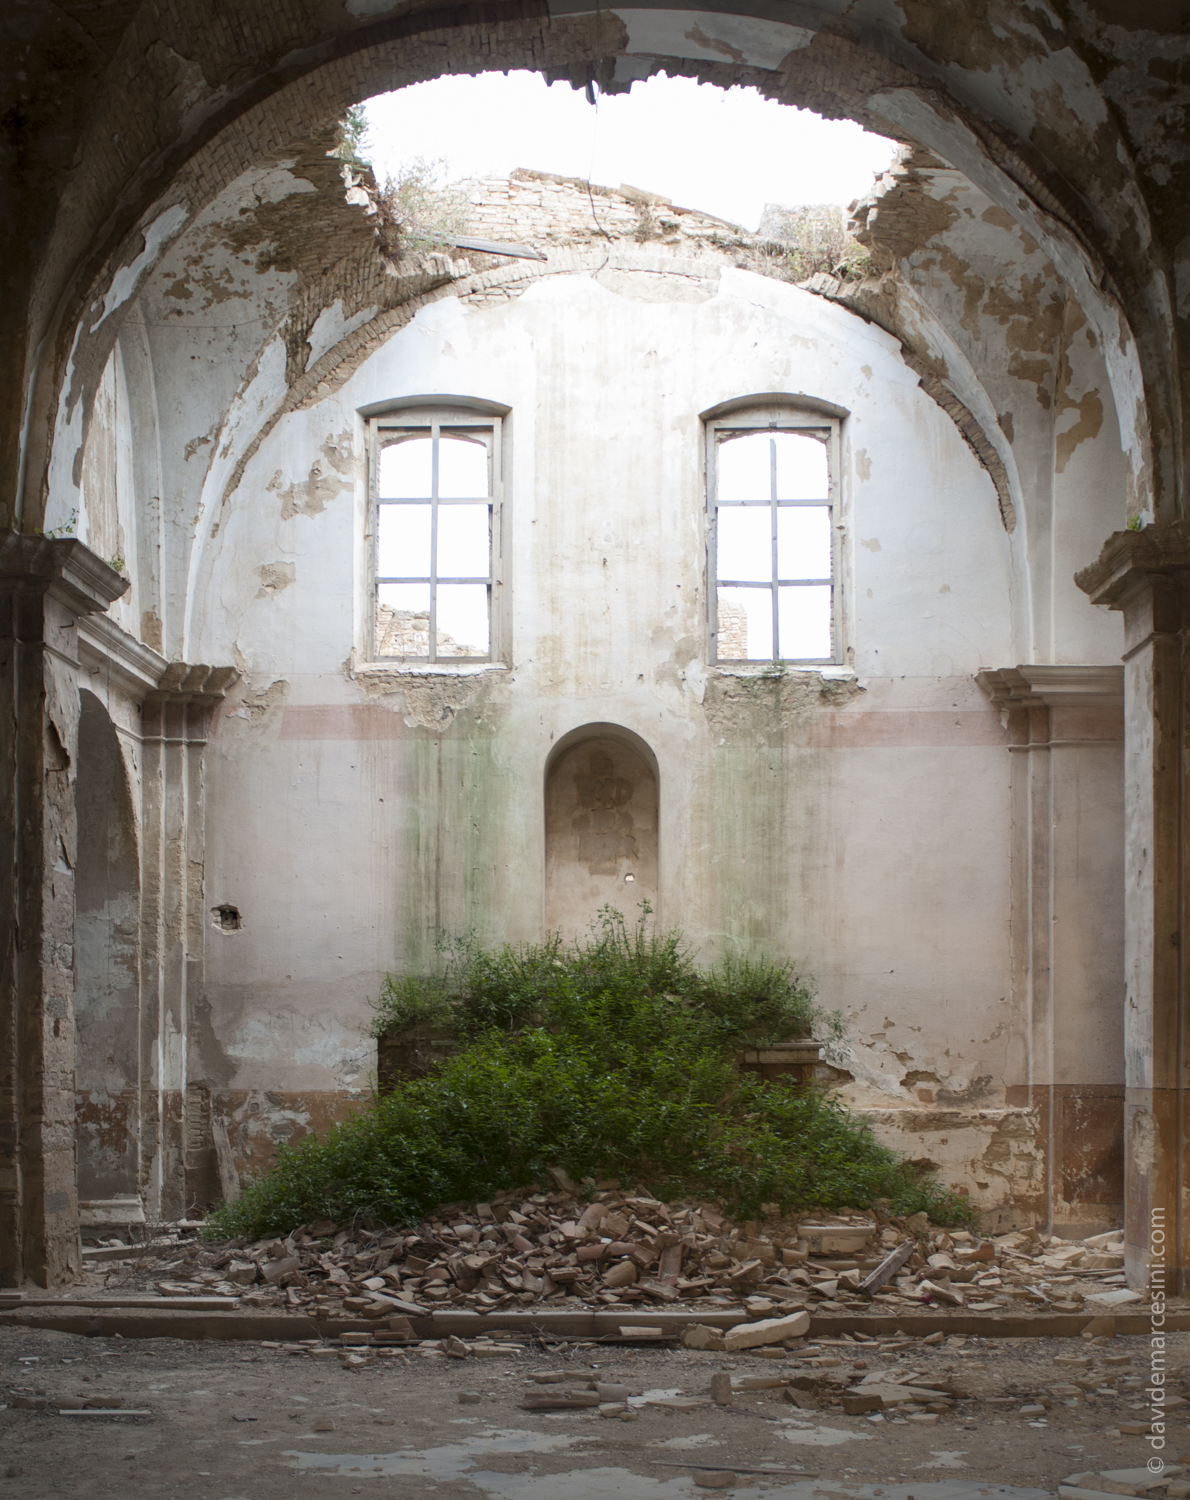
[{"x": 578, "y": 1325}]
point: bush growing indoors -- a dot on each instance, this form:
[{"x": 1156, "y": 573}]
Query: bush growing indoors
[{"x": 613, "y": 1056}]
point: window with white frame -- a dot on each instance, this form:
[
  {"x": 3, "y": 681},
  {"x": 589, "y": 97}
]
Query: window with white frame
[
  {"x": 435, "y": 480},
  {"x": 771, "y": 497}
]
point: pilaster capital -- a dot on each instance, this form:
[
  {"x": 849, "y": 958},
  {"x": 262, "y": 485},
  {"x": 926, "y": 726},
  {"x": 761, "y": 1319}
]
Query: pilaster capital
[
  {"x": 179, "y": 708},
  {"x": 1132, "y": 560},
  {"x": 185, "y": 682},
  {"x": 63, "y": 568},
  {"x": 1146, "y": 576}
]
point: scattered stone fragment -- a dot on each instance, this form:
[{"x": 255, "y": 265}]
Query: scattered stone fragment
[
  {"x": 469, "y": 1398},
  {"x": 699, "y": 1336},
  {"x": 860, "y": 1403},
  {"x": 767, "y": 1331},
  {"x": 721, "y": 1388},
  {"x": 714, "y": 1479},
  {"x": 557, "y": 1400},
  {"x": 625, "y": 1248}
]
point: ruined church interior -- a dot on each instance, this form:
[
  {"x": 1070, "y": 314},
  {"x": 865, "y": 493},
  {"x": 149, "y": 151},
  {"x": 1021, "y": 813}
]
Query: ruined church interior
[{"x": 359, "y": 592}]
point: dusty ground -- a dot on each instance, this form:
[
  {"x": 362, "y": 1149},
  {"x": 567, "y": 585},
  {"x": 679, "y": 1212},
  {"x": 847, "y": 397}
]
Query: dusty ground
[{"x": 399, "y": 1428}]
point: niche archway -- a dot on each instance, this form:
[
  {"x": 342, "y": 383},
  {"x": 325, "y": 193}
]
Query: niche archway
[
  {"x": 107, "y": 1004},
  {"x": 601, "y": 798}
]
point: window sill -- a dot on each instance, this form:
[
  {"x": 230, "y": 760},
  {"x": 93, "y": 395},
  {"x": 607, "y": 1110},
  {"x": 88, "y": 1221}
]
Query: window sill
[
  {"x": 833, "y": 671},
  {"x": 389, "y": 664}
]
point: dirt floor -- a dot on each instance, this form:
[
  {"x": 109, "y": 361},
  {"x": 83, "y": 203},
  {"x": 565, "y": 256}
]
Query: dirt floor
[{"x": 235, "y": 1421}]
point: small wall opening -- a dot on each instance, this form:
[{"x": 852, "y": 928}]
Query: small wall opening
[
  {"x": 107, "y": 1008},
  {"x": 600, "y": 827}
]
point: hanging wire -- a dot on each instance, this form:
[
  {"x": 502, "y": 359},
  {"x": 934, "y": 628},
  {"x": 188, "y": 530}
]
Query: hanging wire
[{"x": 592, "y": 92}]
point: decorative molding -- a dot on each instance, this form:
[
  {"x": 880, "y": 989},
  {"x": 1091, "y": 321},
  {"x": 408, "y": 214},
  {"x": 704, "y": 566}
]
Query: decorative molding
[
  {"x": 64, "y": 568},
  {"x": 1054, "y": 686},
  {"x": 1129, "y": 558},
  {"x": 128, "y": 665},
  {"x": 184, "y": 682},
  {"x": 143, "y": 673}
]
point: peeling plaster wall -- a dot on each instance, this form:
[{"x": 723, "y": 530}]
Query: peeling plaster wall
[{"x": 859, "y": 824}]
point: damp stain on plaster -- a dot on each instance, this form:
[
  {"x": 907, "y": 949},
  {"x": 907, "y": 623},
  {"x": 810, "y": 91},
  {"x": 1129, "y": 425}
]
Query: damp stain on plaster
[
  {"x": 425, "y": 700},
  {"x": 1143, "y": 1130},
  {"x": 274, "y": 578},
  {"x": 747, "y": 704},
  {"x": 329, "y": 477},
  {"x": 214, "y": 287},
  {"x": 196, "y": 443},
  {"x": 152, "y": 632},
  {"x": 253, "y": 719},
  {"x": 1090, "y": 419}
]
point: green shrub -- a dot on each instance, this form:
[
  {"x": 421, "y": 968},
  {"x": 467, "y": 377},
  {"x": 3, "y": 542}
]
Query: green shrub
[
  {"x": 411, "y": 1001},
  {"x": 614, "y": 1056}
]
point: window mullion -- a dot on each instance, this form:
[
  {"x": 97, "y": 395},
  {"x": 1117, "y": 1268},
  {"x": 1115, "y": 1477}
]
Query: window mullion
[
  {"x": 773, "y": 545},
  {"x": 377, "y": 447},
  {"x": 432, "y": 643}
]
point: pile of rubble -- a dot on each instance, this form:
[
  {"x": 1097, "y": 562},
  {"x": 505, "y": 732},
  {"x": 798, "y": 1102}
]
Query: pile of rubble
[{"x": 623, "y": 1248}]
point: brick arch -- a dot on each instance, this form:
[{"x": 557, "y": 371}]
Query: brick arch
[{"x": 195, "y": 127}]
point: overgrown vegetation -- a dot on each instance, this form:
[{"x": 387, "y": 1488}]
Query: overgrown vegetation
[
  {"x": 811, "y": 241},
  {"x": 610, "y": 1056},
  {"x": 352, "y": 143},
  {"x": 419, "y": 210}
]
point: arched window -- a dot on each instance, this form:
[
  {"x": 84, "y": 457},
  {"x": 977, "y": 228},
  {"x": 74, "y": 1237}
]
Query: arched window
[
  {"x": 435, "y": 487},
  {"x": 772, "y": 501}
]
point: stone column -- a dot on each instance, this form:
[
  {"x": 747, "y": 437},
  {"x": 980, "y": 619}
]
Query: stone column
[
  {"x": 1066, "y": 731},
  {"x": 45, "y": 587},
  {"x": 1146, "y": 575},
  {"x": 176, "y": 719}
]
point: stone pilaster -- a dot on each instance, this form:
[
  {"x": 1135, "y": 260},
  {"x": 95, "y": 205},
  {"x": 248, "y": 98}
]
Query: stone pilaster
[
  {"x": 1066, "y": 730},
  {"x": 1146, "y": 575},
  {"x": 176, "y": 720},
  {"x": 45, "y": 588}
]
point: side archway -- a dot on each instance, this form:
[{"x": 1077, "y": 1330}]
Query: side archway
[
  {"x": 107, "y": 1005},
  {"x": 601, "y": 802}
]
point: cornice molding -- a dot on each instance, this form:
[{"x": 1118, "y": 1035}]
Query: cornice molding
[
  {"x": 134, "y": 668},
  {"x": 1029, "y": 686},
  {"x": 186, "y": 682},
  {"x": 64, "y": 568},
  {"x": 1130, "y": 558}
]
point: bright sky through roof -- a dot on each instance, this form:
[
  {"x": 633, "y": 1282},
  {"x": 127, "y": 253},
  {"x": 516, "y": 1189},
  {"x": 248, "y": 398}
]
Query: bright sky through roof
[{"x": 725, "y": 152}]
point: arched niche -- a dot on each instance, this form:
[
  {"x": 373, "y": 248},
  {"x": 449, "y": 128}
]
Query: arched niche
[
  {"x": 601, "y": 787},
  {"x": 107, "y": 1010}
]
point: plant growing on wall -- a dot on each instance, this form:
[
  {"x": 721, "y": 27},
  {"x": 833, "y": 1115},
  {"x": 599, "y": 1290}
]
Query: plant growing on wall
[
  {"x": 615, "y": 1055},
  {"x": 352, "y": 144},
  {"x": 810, "y": 241},
  {"x": 418, "y": 210}
]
